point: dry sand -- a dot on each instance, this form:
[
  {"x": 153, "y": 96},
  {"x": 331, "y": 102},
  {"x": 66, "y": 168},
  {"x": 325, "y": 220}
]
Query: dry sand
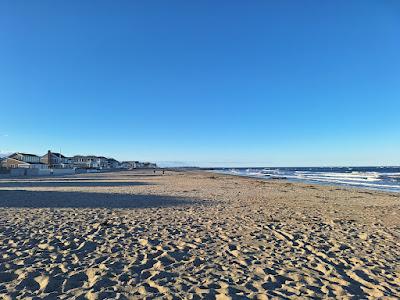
[{"x": 133, "y": 235}]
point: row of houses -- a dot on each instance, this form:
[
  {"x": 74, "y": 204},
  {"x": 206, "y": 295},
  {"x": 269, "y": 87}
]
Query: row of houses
[
  {"x": 58, "y": 161},
  {"x": 137, "y": 165}
]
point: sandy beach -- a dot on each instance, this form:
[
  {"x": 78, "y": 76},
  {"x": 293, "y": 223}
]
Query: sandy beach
[{"x": 195, "y": 235}]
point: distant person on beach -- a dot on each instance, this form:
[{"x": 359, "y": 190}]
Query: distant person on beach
[
  {"x": 154, "y": 171},
  {"x": 163, "y": 171}
]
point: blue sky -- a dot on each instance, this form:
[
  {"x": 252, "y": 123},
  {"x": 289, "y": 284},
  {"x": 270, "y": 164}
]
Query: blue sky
[{"x": 270, "y": 83}]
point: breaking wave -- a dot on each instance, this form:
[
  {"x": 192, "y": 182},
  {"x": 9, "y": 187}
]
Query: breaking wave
[{"x": 378, "y": 178}]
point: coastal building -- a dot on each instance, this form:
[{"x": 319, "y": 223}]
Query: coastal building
[
  {"x": 11, "y": 163},
  {"x": 124, "y": 165},
  {"x": 25, "y": 157},
  {"x": 84, "y": 162},
  {"x": 129, "y": 165},
  {"x": 148, "y": 165},
  {"x": 112, "y": 163},
  {"x": 102, "y": 162},
  {"x": 56, "y": 160},
  {"x": 90, "y": 162},
  {"x": 1, "y": 164},
  {"x": 137, "y": 165},
  {"x": 23, "y": 160}
]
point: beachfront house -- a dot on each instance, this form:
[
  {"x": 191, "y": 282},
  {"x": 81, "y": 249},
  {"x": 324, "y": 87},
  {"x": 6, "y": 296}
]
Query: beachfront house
[
  {"x": 129, "y": 165},
  {"x": 102, "y": 162},
  {"x": 1, "y": 162},
  {"x": 149, "y": 165},
  {"x": 137, "y": 165},
  {"x": 81, "y": 161},
  {"x": 11, "y": 163},
  {"x": 23, "y": 160},
  {"x": 56, "y": 160},
  {"x": 112, "y": 163},
  {"x": 90, "y": 162},
  {"x": 25, "y": 157}
]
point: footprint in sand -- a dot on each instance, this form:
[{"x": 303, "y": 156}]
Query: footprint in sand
[
  {"x": 42, "y": 281},
  {"x": 143, "y": 242},
  {"x": 92, "y": 276}
]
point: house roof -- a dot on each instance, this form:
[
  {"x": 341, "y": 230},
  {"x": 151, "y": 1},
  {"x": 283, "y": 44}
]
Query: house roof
[
  {"x": 24, "y": 154},
  {"x": 16, "y": 160},
  {"x": 93, "y": 157},
  {"x": 58, "y": 154},
  {"x": 85, "y": 156},
  {"x": 112, "y": 159}
]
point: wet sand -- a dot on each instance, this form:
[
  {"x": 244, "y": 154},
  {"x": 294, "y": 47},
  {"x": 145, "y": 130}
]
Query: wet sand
[{"x": 194, "y": 235}]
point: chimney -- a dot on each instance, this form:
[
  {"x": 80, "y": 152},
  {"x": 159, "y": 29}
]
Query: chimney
[{"x": 49, "y": 158}]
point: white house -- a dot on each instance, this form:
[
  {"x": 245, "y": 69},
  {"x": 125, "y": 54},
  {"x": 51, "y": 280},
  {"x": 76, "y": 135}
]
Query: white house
[
  {"x": 90, "y": 162},
  {"x": 23, "y": 160}
]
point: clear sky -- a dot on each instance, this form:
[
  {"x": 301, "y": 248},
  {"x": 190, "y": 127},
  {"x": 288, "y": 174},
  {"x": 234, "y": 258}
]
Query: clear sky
[{"x": 268, "y": 83}]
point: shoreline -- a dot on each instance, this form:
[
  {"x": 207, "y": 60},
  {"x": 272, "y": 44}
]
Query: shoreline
[{"x": 361, "y": 186}]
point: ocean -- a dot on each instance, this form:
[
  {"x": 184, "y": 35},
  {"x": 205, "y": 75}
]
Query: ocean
[{"x": 376, "y": 178}]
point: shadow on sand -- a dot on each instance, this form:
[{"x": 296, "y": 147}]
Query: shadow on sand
[
  {"x": 72, "y": 183},
  {"x": 55, "y": 199}
]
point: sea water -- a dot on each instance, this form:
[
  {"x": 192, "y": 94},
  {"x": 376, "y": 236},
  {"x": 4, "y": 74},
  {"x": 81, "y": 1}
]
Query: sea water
[{"x": 378, "y": 178}]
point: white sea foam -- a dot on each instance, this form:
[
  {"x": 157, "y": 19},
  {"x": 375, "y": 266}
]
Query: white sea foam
[
  {"x": 354, "y": 176},
  {"x": 371, "y": 179}
]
